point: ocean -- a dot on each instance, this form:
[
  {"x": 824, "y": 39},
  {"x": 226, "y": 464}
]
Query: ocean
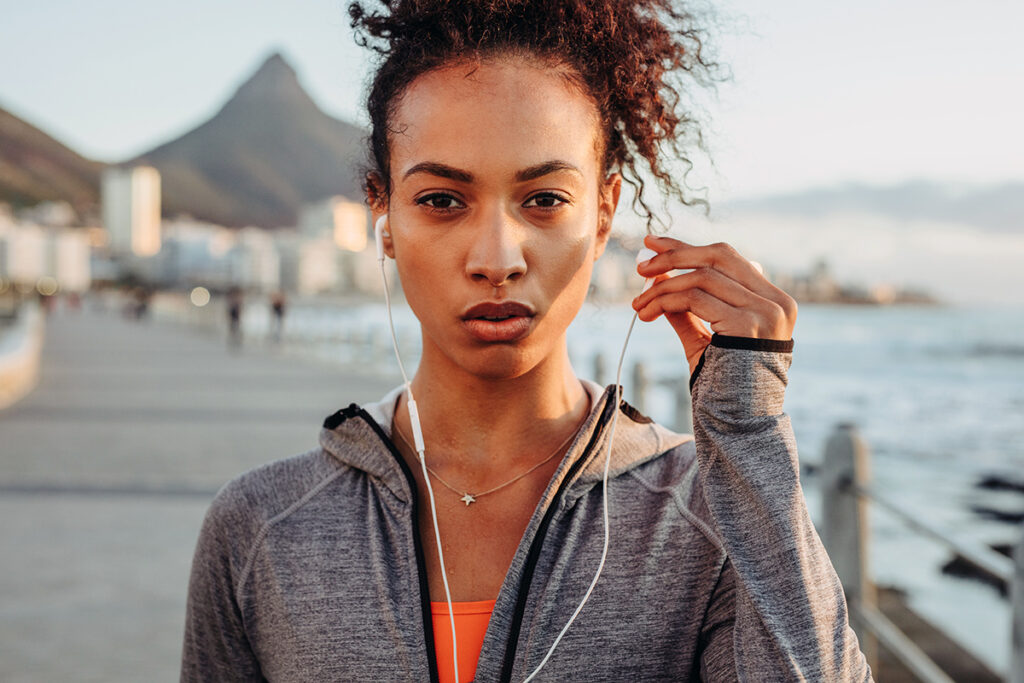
[{"x": 937, "y": 393}]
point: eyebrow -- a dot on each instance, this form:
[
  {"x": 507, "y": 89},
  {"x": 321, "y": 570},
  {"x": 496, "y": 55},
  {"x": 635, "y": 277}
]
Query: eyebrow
[
  {"x": 532, "y": 173},
  {"x": 440, "y": 170},
  {"x": 543, "y": 169}
]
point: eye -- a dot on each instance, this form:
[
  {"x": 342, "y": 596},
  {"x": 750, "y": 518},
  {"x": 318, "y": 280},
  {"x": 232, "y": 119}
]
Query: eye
[
  {"x": 546, "y": 200},
  {"x": 440, "y": 201}
]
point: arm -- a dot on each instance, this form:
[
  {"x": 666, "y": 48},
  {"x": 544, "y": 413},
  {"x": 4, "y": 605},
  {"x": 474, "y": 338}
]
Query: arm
[
  {"x": 779, "y": 612},
  {"x": 216, "y": 647}
]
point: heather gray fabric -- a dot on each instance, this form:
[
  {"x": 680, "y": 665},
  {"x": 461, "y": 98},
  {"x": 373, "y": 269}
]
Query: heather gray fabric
[{"x": 306, "y": 568}]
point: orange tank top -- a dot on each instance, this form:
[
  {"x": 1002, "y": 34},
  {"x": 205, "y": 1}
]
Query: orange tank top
[{"x": 471, "y": 619}]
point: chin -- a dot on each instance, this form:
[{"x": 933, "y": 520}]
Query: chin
[
  {"x": 493, "y": 361},
  {"x": 501, "y": 362}
]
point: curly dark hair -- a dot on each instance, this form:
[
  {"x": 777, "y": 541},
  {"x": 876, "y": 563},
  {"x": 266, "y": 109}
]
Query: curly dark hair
[{"x": 631, "y": 57}]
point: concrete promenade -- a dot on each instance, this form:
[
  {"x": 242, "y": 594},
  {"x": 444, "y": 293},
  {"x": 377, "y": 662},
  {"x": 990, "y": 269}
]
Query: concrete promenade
[{"x": 106, "y": 470}]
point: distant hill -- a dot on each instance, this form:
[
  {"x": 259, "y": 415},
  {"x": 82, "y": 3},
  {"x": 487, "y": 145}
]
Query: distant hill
[
  {"x": 269, "y": 150},
  {"x": 35, "y": 167},
  {"x": 999, "y": 208}
]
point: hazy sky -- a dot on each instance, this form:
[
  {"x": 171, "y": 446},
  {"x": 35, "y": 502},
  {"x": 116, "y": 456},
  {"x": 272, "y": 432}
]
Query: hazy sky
[{"x": 873, "y": 91}]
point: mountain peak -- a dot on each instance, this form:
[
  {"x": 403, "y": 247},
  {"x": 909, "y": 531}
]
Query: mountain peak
[
  {"x": 268, "y": 151},
  {"x": 276, "y": 66},
  {"x": 274, "y": 81}
]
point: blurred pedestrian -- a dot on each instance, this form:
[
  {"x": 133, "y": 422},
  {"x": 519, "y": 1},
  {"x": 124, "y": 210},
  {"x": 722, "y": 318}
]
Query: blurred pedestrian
[
  {"x": 235, "y": 317},
  {"x": 277, "y": 308}
]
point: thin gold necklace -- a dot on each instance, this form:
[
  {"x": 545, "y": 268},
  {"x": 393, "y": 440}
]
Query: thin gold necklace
[{"x": 469, "y": 498}]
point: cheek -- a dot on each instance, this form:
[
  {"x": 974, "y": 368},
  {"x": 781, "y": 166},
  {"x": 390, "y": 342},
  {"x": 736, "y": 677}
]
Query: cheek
[
  {"x": 569, "y": 264},
  {"x": 419, "y": 276}
]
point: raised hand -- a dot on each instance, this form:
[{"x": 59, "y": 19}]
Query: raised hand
[{"x": 722, "y": 288}]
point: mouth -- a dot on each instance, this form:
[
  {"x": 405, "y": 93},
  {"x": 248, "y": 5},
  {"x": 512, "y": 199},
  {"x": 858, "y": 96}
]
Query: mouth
[
  {"x": 498, "y": 322},
  {"x": 494, "y": 311}
]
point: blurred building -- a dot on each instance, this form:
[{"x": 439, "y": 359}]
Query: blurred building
[
  {"x": 70, "y": 259},
  {"x": 309, "y": 265},
  {"x": 23, "y": 254},
  {"x": 253, "y": 262},
  {"x": 362, "y": 272},
  {"x": 195, "y": 253},
  {"x": 334, "y": 251},
  {"x": 51, "y": 214},
  {"x": 131, "y": 210},
  {"x": 345, "y": 221},
  {"x": 30, "y": 253}
]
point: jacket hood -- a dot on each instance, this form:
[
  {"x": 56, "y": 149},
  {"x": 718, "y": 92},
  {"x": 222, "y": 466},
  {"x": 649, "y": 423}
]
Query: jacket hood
[{"x": 360, "y": 437}]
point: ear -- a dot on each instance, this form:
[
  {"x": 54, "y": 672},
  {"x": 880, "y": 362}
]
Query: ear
[
  {"x": 389, "y": 244},
  {"x": 608, "y": 203},
  {"x": 377, "y": 199},
  {"x": 386, "y": 240}
]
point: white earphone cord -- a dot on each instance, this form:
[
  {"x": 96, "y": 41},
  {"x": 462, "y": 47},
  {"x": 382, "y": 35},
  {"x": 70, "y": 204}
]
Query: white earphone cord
[
  {"x": 420, "y": 448},
  {"x": 604, "y": 499},
  {"x": 417, "y": 432}
]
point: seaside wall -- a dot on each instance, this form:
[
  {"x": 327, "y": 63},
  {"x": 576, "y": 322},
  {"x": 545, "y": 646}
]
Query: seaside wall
[{"x": 20, "y": 348}]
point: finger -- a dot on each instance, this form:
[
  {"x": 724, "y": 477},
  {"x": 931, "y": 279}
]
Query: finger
[
  {"x": 723, "y": 317},
  {"x": 675, "y": 254},
  {"x": 769, "y": 319},
  {"x": 696, "y": 301},
  {"x": 713, "y": 282}
]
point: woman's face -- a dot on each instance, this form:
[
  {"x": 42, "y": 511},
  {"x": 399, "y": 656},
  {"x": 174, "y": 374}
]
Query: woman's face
[{"x": 497, "y": 211}]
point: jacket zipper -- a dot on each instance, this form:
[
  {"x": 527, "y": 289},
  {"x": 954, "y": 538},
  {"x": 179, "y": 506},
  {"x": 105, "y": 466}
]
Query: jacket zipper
[
  {"x": 512, "y": 644},
  {"x": 421, "y": 563}
]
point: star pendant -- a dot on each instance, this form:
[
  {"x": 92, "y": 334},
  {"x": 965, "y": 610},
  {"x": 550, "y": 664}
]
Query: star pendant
[{"x": 467, "y": 499}]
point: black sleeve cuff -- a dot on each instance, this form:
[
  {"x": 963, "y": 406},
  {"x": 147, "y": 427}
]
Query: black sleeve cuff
[{"x": 724, "y": 341}]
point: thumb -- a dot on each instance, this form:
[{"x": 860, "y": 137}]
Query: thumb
[{"x": 691, "y": 331}]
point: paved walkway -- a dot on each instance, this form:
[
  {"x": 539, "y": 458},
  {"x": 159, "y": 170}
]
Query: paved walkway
[{"x": 106, "y": 470}]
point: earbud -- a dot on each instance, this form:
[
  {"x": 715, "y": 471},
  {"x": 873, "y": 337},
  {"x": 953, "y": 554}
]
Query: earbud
[
  {"x": 646, "y": 254},
  {"x": 378, "y": 235}
]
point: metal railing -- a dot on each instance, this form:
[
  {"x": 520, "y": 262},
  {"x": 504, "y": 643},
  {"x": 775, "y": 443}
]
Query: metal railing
[{"x": 847, "y": 492}]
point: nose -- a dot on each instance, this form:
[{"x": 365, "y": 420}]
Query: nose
[{"x": 496, "y": 253}]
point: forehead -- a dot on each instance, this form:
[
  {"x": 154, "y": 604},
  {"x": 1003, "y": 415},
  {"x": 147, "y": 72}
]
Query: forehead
[{"x": 497, "y": 115}]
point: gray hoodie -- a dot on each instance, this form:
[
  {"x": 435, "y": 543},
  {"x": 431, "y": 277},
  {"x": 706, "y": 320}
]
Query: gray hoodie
[{"x": 311, "y": 568}]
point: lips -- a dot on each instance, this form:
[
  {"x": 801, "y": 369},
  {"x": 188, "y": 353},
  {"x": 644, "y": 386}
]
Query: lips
[
  {"x": 498, "y": 321},
  {"x": 504, "y": 309}
]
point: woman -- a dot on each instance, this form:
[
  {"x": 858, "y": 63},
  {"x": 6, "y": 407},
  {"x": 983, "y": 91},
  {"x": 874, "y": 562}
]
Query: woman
[{"x": 501, "y": 133}]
